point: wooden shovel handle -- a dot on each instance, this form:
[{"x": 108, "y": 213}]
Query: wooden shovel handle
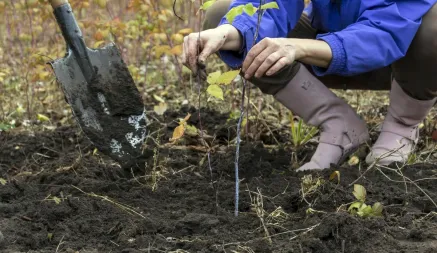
[{"x": 56, "y": 3}]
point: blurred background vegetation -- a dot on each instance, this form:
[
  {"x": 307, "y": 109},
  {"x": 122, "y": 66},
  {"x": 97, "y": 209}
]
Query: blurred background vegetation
[{"x": 147, "y": 32}]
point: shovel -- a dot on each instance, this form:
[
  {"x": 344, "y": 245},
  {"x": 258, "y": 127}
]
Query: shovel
[{"x": 100, "y": 91}]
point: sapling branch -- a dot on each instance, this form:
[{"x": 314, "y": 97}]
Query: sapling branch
[
  {"x": 174, "y": 11},
  {"x": 237, "y": 150}
]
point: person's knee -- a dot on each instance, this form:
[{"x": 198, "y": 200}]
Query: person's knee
[
  {"x": 215, "y": 13},
  {"x": 425, "y": 42},
  {"x": 272, "y": 84},
  {"x": 415, "y": 73}
]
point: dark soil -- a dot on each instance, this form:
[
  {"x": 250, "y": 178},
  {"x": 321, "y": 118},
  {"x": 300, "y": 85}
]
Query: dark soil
[{"x": 186, "y": 213}]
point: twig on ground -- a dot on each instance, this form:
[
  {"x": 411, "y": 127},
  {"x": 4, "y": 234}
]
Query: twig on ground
[
  {"x": 409, "y": 180},
  {"x": 375, "y": 163},
  {"x": 258, "y": 204},
  {"x": 125, "y": 208},
  {"x": 60, "y": 243}
]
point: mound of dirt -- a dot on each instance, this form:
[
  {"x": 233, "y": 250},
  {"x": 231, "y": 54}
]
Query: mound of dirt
[{"x": 61, "y": 196}]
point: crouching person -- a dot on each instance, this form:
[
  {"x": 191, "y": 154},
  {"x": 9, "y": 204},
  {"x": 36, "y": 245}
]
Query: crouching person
[{"x": 301, "y": 54}]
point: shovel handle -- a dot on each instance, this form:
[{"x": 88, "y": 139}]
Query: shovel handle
[
  {"x": 73, "y": 37},
  {"x": 56, "y": 3}
]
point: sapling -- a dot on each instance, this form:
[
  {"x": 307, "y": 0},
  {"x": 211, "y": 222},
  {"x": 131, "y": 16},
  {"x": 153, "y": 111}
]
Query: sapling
[
  {"x": 215, "y": 79},
  {"x": 300, "y": 132},
  {"x": 360, "y": 208}
]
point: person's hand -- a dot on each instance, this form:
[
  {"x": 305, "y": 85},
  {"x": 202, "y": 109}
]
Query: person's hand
[
  {"x": 269, "y": 56},
  {"x": 196, "y": 49}
]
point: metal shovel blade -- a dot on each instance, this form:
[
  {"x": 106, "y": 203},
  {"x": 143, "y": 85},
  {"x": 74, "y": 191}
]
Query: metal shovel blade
[{"x": 109, "y": 108}]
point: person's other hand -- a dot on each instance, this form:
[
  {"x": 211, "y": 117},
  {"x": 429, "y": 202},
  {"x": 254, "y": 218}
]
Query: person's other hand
[
  {"x": 196, "y": 49},
  {"x": 269, "y": 56}
]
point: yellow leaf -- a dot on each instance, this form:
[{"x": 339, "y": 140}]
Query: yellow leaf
[
  {"x": 43, "y": 75},
  {"x": 160, "y": 109},
  {"x": 101, "y": 3},
  {"x": 177, "y": 50},
  {"x": 335, "y": 174},
  {"x": 212, "y": 77},
  {"x": 177, "y": 38},
  {"x": 215, "y": 91},
  {"x": 98, "y": 44},
  {"x": 145, "y": 45},
  {"x": 185, "y": 31},
  {"x": 359, "y": 192},
  {"x": 162, "y": 17},
  {"x": 228, "y": 77},
  {"x": 158, "y": 98},
  {"x": 42, "y": 117},
  {"x": 95, "y": 151},
  {"x": 178, "y": 133},
  {"x": 185, "y": 120},
  {"x": 354, "y": 160},
  {"x": 159, "y": 50},
  {"x": 3, "y": 181}
]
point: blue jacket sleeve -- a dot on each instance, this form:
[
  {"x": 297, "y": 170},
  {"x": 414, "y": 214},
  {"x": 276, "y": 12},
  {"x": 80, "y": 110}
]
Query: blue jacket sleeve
[
  {"x": 275, "y": 23},
  {"x": 381, "y": 35}
]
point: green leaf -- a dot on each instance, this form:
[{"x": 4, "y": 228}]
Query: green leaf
[
  {"x": 250, "y": 9},
  {"x": 359, "y": 192},
  {"x": 233, "y": 13},
  {"x": 377, "y": 209},
  {"x": 191, "y": 130},
  {"x": 355, "y": 206},
  {"x": 228, "y": 77},
  {"x": 366, "y": 210},
  {"x": 42, "y": 117},
  {"x": 212, "y": 77},
  {"x": 3, "y": 181},
  {"x": 215, "y": 91},
  {"x": 5, "y": 126},
  {"x": 206, "y": 5},
  {"x": 271, "y": 5}
]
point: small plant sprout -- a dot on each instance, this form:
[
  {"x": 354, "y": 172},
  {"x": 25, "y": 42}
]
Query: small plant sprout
[
  {"x": 335, "y": 174},
  {"x": 360, "y": 208},
  {"x": 179, "y": 131},
  {"x": 309, "y": 186},
  {"x": 354, "y": 160},
  {"x": 300, "y": 132}
]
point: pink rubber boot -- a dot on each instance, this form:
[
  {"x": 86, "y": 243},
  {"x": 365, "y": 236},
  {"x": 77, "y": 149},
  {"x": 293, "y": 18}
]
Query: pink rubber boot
[
  {"x": 342, "y": 130},
  {"x": 399, "y": 132}
]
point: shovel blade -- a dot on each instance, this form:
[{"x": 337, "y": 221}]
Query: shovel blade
[{"x": 109, "y": 109}]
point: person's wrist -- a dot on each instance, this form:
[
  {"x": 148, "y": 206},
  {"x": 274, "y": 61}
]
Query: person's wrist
[
  {"x": 233, "y": 37},
  {"x": 301, "y": 48}
]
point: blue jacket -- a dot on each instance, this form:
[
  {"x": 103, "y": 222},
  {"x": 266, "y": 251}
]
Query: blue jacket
[{"x": 364, "y": 35}]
